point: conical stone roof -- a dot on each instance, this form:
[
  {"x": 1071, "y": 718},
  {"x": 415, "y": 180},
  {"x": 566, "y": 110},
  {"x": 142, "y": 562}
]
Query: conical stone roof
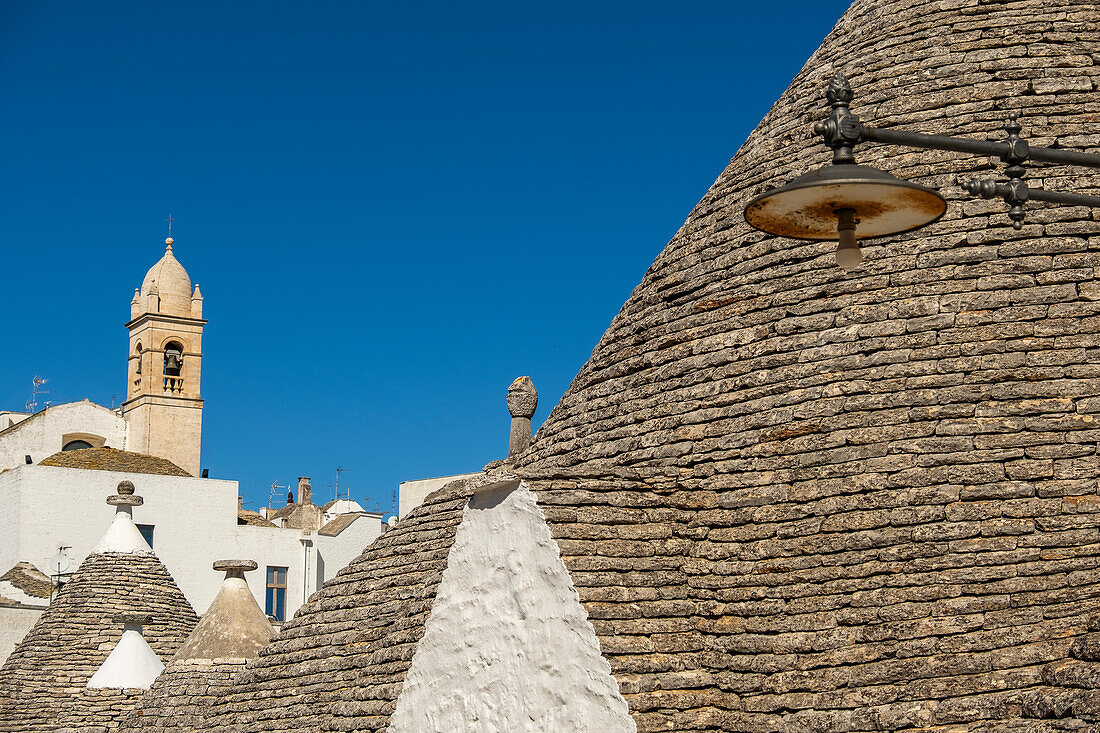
[
  {"x": 232, "y": 631},
  {"x": 797, "y": 499},
  {"x": 43, "y": 682},
  {"x": 339, "y": 664}
]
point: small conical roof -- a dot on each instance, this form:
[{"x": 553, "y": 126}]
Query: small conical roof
[
  {"x": 132, "y": 664},
  {"x": 234, "y": 627},
  {"x": 341, "y": 659},
  {"x": 43, "y": 684},
  {"x": 232, "y": 631}
]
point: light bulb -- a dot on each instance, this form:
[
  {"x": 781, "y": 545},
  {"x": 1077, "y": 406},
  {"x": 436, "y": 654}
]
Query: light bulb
[{"x": 848, "y": 253}]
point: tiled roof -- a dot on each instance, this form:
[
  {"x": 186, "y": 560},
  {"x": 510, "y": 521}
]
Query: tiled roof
[
  {"x": 340, "y": 523},
  {"x": 29, "y": 579},
  {"x": 284, "y": 511},
  {"x": 110, "y": 459}
]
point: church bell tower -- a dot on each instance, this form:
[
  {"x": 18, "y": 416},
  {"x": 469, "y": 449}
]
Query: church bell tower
[{"x": 163, "y": 407}]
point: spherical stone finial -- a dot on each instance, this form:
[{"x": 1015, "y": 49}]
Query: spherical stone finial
[
  {"x": 522, "y": 398},
  {"x": 242, "y": 565},
  {"x": 169, "y": 241},
  {"x": 125, "y": 495}
]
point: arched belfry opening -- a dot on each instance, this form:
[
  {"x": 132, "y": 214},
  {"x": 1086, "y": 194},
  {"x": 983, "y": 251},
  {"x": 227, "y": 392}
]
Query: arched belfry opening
[
  {"x": 163, "y": 407},
  {"x": 173, "y": 367}
]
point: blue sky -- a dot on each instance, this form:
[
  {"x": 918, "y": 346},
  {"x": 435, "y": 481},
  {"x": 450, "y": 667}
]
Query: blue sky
[{"x": 393, "y": 209}]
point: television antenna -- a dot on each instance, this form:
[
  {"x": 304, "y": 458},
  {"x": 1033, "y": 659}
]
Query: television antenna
[
  {"x": 275, "y": 492},
  {"x": 36, "y": 390},
  {"x": 337, "y": 496}
]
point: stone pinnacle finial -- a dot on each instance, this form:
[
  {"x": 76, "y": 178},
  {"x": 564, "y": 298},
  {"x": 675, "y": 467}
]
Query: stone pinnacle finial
[
  {"x": 235, "y": 567},
  {"x": 125, "y": 496},
  {"x": 522, "y": 400}
]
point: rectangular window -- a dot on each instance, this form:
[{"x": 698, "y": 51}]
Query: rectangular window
[
  {"x": 147, "y": 532},
  {"x": 276, "y": 593}
]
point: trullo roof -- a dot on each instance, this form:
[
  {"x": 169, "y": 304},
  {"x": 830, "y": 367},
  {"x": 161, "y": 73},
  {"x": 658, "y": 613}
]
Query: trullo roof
[
  {"x": 232, "y": 631},
  {"x": 43, "y": 682},
  {"x": 797, "y": 499}
]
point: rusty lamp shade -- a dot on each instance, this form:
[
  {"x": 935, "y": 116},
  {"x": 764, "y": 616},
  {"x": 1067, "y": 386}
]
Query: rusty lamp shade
[{"x": 842, "y": 202}]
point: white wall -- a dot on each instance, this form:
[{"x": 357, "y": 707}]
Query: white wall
[
  {"x": 508, "y": 645},
  {"x": 15, "y": 622},
  {"x": 9, "y": 418},
  {"x": 41, "y": 436},
  {"x": 412, "y": 494},
  {"x": 195, "y": 523}
]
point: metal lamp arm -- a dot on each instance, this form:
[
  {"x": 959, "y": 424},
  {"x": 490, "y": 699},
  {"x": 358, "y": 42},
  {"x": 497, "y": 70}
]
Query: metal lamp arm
[
  {"x": 977, "y": 147},
  {"x": 842, "y": 131}
]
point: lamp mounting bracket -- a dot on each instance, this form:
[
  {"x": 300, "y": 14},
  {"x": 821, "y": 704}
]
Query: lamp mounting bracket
[{"x": 842, "y": 130}]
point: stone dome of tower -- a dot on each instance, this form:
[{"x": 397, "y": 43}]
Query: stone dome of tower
[{"x": 171, "y": 282}]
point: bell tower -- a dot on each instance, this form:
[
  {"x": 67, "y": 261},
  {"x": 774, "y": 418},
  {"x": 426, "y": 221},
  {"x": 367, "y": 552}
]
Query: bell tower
[{"x": 163, "y": 407}]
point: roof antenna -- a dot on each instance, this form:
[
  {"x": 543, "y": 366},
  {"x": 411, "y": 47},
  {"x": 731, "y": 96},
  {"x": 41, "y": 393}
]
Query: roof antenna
[
  {"x": 271, "y": 497},
  {"x": 336, "y": 497},
  {"x": 36, "y": 390}
]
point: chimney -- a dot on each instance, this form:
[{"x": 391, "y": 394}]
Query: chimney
[
  {"x": 522, "y": 400},
  {"x": 304, "y": 490}
]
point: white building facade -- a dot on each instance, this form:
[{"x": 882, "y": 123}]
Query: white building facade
[
  {"x": 56, "y": 465},
  {"x": 192, "y": 522}
]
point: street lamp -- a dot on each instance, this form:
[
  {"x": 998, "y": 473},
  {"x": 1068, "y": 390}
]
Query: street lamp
[{"x": 837, "y": 201}]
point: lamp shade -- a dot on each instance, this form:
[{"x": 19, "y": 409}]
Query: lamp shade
[{"x": 806, "y": 208}]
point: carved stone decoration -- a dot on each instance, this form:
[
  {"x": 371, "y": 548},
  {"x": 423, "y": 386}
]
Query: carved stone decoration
[{"x": 523, "y": 399}]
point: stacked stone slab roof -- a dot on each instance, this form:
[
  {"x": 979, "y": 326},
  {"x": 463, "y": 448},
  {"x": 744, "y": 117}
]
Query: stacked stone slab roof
[
  {"x": 111, "y": 459},
  {"x": 232, "y": 631},
  {"x": 803, "y": 500},
  {"x": 339, "y": 663},
  {"x": 29, "y": 579},
  {"x": 797, "y": 499},
  {"x": 42, "y": 683}
]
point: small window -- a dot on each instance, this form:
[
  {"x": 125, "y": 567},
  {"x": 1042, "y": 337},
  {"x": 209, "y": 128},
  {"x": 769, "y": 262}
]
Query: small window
[
  {"x": 76, "y": 445},
  {"x": 146, "y": 532},
  {"x": 276, "y": 593}
]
